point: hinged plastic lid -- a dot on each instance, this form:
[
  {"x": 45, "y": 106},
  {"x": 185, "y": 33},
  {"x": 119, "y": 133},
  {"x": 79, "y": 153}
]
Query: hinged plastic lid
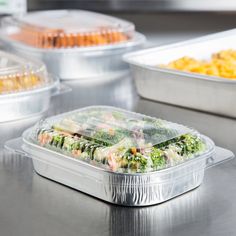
[
  {"x": 68, "y": 28},
  {"x": 112, "y": 126},
  {"x": 18, "y": 74},
  {"x": 118, "y": 140}
]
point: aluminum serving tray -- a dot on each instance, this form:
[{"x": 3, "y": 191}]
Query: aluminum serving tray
[
  {"x": 79, "y": 63},
  {"x": 123, "y": 189},
  {"x": 206, "y": 93}
]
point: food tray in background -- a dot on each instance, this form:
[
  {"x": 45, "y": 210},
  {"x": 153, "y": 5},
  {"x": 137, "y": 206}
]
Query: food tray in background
[
  {"x": 118, "y": 156},
  {"x": 90, "y": 47},
  {"x": 18, "y": 74},
  {"x": 25, "y": 87},
  {"x": 207, "y": 93},
  {"x": 68, "y": 29}
]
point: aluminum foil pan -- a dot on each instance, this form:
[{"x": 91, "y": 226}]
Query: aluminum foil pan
[
  {"x": 78, "y": 63},
  {"x": 207, "y": 93},
  {"x": 119, "y": 188}
]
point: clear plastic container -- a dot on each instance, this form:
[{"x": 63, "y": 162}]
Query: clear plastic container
[
  {"x": 73, "y": 44},
  {"x": 118, "y": 140},
  {"x": 26, "y": 87},
  {"x": 68, "y": 29},
  {"x": 18, "y": 74},
  {"x": 121, "y": 157}
]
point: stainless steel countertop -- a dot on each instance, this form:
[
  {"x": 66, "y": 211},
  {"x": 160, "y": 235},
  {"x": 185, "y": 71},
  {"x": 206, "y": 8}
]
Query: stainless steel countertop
[{"x": 31, "y": 205}]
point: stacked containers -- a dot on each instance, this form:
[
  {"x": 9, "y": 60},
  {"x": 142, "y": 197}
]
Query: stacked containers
[{"x": 78, "y": 46}]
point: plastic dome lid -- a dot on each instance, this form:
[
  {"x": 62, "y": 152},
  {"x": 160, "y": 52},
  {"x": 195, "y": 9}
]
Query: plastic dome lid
[
  {"x": 111, "y": 125},
  {"x": 68, "y": 28},
  {"x": 18, "y": 74}
]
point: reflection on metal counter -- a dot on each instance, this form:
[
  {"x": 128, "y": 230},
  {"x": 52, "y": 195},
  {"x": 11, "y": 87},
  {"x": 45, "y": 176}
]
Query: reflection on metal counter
[
  {"x": 12, "y": 129},
  {"x": 114, "y": 90}
]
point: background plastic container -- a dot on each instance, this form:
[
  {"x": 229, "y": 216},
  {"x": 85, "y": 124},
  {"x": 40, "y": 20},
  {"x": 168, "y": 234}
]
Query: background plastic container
[
  {"x": 25, "y": 87},
  {"x": 68, "y": 28},
  {"x": 74, "y": 62},
  {"x": 18, "y": 74}
]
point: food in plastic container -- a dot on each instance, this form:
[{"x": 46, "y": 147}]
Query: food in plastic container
[
  {"x": 66, "y": 29},
  {"x": 118, "y": 156},
  {"x": 121, "y": 141},
  {"x": 87, "y": 48},
  {"x": 18, "y": 82},
  {"x": 25, "y": 87},
  {"x": 18, "y": 74}
]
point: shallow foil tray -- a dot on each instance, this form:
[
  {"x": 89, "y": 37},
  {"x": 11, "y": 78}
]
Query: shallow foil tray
[
  {"x": 207, "y": 93},
  {"x": 117, "y": 188}
]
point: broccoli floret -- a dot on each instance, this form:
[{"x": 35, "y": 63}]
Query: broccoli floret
[
  {"x": 185, "y": 146},
  {"x": 158, "y": 158},
  {"x": 134, "y": 162},
  {"x": 110, "y": 138},
  {"x": 190, "y": 144}
]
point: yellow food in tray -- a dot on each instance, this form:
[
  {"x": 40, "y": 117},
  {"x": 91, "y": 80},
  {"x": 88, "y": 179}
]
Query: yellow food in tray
[
  {"x": 16, "y": 83},
  {"x": 221, "y": 64}
]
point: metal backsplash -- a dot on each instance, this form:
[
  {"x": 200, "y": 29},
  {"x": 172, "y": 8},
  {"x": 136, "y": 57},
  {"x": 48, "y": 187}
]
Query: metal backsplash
[{"x": 137, "y": 5}]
